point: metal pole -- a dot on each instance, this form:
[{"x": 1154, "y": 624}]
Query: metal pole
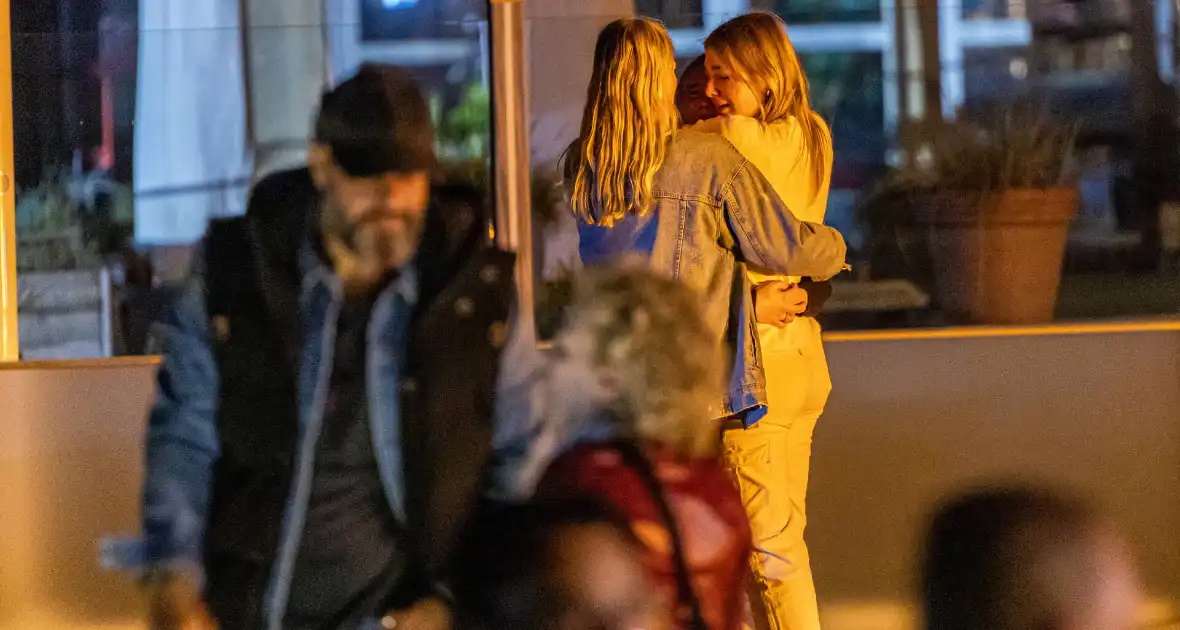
[
  {"x": 511, "y": 160},
  {"x": 8, "y": 289}
]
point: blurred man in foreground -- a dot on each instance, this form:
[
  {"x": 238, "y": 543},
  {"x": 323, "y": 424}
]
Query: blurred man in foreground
[{"x": 324, "y": 425}]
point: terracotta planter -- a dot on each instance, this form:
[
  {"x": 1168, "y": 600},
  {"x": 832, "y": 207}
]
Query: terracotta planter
[{"x": 997, "y": 259}]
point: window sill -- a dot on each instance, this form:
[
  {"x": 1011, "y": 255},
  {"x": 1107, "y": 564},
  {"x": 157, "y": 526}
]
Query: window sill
[
  {"x": 974, "y": 332},
  {"x": 955, "y": 332}
]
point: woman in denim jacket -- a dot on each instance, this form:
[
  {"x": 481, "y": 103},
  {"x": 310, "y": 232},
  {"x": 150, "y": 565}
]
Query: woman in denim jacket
[{"x": 687, "y": 202}]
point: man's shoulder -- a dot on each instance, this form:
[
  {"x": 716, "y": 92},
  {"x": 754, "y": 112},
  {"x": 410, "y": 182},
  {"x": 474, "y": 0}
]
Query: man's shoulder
[
  {"x": 701, "y": 146},
  {"x": 276, "y": 214},
  {"x": 281, "y": 190}
]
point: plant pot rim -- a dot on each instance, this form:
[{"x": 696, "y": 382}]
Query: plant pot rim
[{"x": 1010, "y": 206}]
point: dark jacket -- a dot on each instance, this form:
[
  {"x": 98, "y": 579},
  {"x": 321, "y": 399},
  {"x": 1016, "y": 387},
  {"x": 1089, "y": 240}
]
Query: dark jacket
[{"x": 239, "y": 410}]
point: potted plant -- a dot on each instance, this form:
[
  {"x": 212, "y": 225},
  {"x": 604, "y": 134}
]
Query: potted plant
[
  {"x": 66, "y": 228},
  {"x": 996, "y": 198}
]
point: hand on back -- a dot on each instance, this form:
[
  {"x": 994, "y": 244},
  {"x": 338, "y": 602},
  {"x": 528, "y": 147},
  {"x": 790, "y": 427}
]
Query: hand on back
[{"x": 778, "y": 302}]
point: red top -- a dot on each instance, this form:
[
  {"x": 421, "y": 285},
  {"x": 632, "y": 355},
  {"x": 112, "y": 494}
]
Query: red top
[{"x": 708, "y": 509}]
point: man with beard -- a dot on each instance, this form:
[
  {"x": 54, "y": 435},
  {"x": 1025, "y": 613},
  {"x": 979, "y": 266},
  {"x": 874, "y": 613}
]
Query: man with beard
[{"x": 323, "y": 426}]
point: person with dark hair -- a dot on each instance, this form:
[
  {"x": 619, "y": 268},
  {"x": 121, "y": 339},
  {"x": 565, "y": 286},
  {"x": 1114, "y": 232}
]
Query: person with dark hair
[
  {"x": 571, "y": 564},
  {"x": 692, "y": 98},
  {"x": 324, "y": 419},
  {"x": 1026, "y": 559}
]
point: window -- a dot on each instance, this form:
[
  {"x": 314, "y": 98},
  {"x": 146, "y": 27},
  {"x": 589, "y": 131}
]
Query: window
[
  {"x": 674, "y": 13},
  {"x": 392, "y": 20},
  {"x": 136, "y": 123},
  {"x": 993, "y": 9},
  {"x": 989, "y": 57},
  {"x": 991, "y": 73},
  {"x": 1118, "y": 247},
  {"x": 825, "y": 11},
  {"x": 848, "y": 90}
]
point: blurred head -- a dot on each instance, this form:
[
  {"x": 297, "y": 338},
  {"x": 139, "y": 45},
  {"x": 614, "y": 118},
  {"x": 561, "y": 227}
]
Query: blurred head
[
  {"x": 1022, "y": 559},
  {"x": 629, "y": 115},
  {"x": 564, "y": 566},
  {"x": 754, "y": 71},
  {"x": 634, "y": 345},
  {"x": 371, "y": 158},
  {"x": 692, "y": 99}
]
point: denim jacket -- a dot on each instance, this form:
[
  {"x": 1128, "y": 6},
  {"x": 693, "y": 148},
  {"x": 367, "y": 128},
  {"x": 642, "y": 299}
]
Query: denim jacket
[{"x": 713, "y": 212}]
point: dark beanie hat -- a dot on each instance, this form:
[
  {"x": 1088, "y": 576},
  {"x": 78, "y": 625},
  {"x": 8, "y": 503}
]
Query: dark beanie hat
[{"x": 377, "y": 122}]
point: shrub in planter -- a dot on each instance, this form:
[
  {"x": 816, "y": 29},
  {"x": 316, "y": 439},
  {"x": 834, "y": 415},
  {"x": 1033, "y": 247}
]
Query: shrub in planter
[{"x": 995, "y": 197}]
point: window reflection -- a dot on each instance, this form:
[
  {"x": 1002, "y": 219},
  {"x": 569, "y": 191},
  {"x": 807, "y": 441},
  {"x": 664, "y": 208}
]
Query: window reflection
[
  {"x": 994, "y": 9},
  {"x": 137, "y": 122}
]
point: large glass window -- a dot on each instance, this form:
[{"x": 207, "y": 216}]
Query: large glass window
[
  {"x": 993, "y": 9},
  {"x": 138, "y": 122},
  {"x": 674, "y": 13},
  {"x": 846, "y": 47},
  {"x": 964, "y": 61},
  {"x": 823, "y": 11}
]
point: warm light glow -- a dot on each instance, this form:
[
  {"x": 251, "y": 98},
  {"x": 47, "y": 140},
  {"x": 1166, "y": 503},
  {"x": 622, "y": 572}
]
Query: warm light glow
[{"x": 9, "y": 350}]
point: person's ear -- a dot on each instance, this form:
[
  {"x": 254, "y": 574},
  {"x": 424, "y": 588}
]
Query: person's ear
[{"x": 320, "y": 164}]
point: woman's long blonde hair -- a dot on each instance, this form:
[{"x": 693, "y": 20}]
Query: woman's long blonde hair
[
  {"x": 629, "y": 116},
  {"x": 758, "y": 51}
]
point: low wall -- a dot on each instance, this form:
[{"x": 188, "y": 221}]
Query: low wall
[
  {"x": 909, "y": 421},
  {"x": 70, "y": 472}
]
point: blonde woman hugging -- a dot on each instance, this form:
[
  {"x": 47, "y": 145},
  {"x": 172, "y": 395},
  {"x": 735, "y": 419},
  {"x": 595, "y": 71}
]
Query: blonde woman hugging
[
  {"x": 686, "y": 203},
  {"x": 759, "y": 91}
]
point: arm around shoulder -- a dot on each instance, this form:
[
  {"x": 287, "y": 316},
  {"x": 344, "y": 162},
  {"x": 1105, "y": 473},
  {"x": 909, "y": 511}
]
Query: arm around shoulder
[{"x": 770, "y": 236}]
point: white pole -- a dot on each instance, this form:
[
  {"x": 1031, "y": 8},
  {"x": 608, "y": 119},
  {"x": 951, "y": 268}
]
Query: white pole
[{"x": 511, "y": 162}]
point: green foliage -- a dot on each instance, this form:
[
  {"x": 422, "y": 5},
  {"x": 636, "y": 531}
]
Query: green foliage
[
  {"x": 464, "y": 131},
  {"x": 1016, "y": 146},
  {"x": 1019, "y": 147},
  {"x": 57, "y": 222}
]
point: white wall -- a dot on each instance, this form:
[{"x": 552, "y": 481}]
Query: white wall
[
  {"x": 70, "y": 472},
  {"x": 909, "y": 421}
]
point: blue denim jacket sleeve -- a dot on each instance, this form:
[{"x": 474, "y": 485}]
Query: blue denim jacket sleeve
[
  {"x": 181, "y": 444},
  {"x": 522, "y": 448},
  {"x": 771, "y": 237}
]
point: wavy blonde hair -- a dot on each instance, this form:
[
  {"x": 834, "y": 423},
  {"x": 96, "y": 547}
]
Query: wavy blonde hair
[
  {"x": 629, "y": 116},
  {"x": 666, "y": 365},
  {"x": 759, "y": 52}
]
